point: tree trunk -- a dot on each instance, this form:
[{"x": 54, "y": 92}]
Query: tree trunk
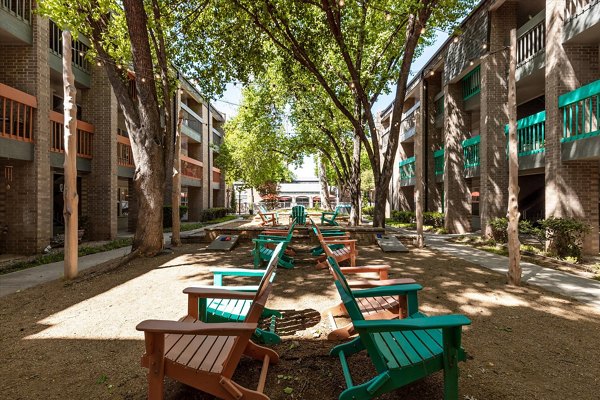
[
  {"x": 514, "y": 253},
  {"x": 176, "y": 189},
  {"x": 381, "y": 195},
  {"x": 71, "y": 199},
  {"x": 325, "y": 203},
  {"x": 354, "y": 184}
]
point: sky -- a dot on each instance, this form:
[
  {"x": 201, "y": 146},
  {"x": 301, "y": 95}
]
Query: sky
[{"x": 232, "y": 97}]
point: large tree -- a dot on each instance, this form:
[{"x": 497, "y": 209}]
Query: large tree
[{"x": 360, "y": 47}]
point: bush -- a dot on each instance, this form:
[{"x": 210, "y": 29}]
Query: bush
[
  {"x": 405, "y": 217},
  {"x": 213, "y": 213},
  {"x": 565, "y": 236},
  {"x": 168, "y": 215},
  {"x": 432, "y": 218},
  {"x": 368, "y": 210},
  {"x": 499, "y": 226}
]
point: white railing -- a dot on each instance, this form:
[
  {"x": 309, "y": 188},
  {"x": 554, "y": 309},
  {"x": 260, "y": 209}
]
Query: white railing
[
  {"x": 575, "y": 7},
  {"x": 531, "y": 38}
]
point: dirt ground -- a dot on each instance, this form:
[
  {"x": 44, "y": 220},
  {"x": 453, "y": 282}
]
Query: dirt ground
[{"x": 77, "y": 340}]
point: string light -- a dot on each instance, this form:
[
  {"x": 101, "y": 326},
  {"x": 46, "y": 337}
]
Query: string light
[
  {"x": 143, "y": 79},
  {"x": 341, "y": 3},
  {"x": 352, "y": 84},
  {"x": 422, "y": 31},
  {"x": 484, "y": 46},
  {"x": 455, "y": 40},
  {"x": 388, "y": 16},
  {"x": 432, "y": 73},
  {"x": 99, "y": 63},
  {"x": 81, "y": 53},
  {"x": 119, "y": 66},
  {"x": 157, "y": 76}
]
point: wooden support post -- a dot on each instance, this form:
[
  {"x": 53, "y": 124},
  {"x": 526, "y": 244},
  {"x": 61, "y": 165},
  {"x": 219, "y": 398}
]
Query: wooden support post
[
  {"x": 514, "y": 251},
  {"x": 71, "y": 200}
]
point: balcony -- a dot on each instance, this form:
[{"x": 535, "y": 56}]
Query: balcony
[
  {"x": 581, "y": 122},
  {"x": 531, "y": 139},
  {"x": 124, "y": 152},
  {"x": 191, "y": 171},
  {"x": 16, "y": 123},
  {"x": 582, "y": 21},
  {"x": 80, "y": 46},
  {"x": 15, "y": 21},
  {"x": 531, "y": 44},
  {"x": 192, "y": 124},
  {"x": 85, "y": 136},
  {"x": 471, "y": 156},
  {"x": 216, "y": 178},
  {"x": 407, "y": 171},
  {"x": 217, "y": 141},
  {"x": 471, "y": 83},
  {"x": 409, "y": 123},
  {"x": 438, "y": 164}
]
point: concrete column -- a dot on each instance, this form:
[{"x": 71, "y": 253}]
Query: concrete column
[
  {"x": 571, "y": 186},
  {"x": 206, "y": 160},
  {"x": 420, "y": 152},
  {"x": 434, "y": 142},
  {"x": 457, "y": 197},
  {"x": 493, "y": 117},
  {"x": 100, "y": 109}
]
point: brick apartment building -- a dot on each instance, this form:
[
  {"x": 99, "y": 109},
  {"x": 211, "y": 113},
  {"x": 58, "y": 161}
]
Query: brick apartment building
[
  {"x": 31, "y": 148},
  {"x": 453, "y": 134}
]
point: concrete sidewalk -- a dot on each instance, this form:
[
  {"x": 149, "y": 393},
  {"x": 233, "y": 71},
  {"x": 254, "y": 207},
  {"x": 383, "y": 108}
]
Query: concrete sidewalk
[
  {"x": 585, "y": 290},
  {"x": 26, "y": 278}
]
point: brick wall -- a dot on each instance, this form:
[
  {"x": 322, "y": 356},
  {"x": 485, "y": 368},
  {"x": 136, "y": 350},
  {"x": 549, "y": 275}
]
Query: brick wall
[
  {"x": 571, "y": 187},
  {"x": 456, "y": 200},
  {"x": 493, "y": 117},
  {"x": 28, "y": 219},
  {"x": 434, "y": 142},
  {"x": 100, "y": 109}
]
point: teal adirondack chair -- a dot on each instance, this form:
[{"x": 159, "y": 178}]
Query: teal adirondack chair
[
  {"x": 299, "y": 215},
  {"x": 267, "y": 217},
  {"x": 328, "y": 217},
  {"x": 235, "y": 310},
  {"x": 263, "y": 248},
  {"x": 329, "y": 233},
  {"x": 402, "y": 351}
]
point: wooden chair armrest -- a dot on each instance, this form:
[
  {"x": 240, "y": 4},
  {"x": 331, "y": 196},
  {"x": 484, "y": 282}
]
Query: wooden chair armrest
[
  {"x": 196, "y": 328},
  {"x": 334, "y": 240},
  {"x": 388, "y": 290},
  {"x": 237, "y": 271},
  {"x": 371, "y": 283},
  {"x": 365, "y": 268},
  {"x": 270, "y": 240},
  {"x": 409, "y": 324},
  {"x": 220, "y": 293}
]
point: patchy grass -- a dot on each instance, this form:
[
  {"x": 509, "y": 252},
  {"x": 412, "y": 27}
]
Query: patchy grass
[
  {"x": 190, "y": 226},
  {"x": 60, "y": 255}
]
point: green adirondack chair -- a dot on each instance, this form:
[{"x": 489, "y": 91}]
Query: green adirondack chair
[
  {"x": 328, "y": 217},
  {"x": 236, "y": 310},
  {"x": 263, "y": 248},
  {"x": 299, "y": 215},
  {"x": 402, "y": 351},
  {"x": 329, "y": 233}
]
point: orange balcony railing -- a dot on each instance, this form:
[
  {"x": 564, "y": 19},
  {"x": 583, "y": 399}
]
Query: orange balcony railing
[
  {"x": 85, "y": 134},
  {"x": 216, "y": 172},
  {"x": 124, "y": 153},
  {"x": 16, "y": 120},
  {"x": 191, "y": 167}
]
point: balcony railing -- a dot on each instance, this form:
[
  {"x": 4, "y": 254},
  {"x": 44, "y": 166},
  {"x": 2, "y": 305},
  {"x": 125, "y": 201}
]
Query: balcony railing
[
  {"x": 192, "y": 122},
  {"x": 531, "y": 134},
  {"x": 409, "y": 121},
  {"x": 79, "y": 51},
  {"x": 531, "y": 41},
  {"x": 16, "y": 107},
  {"x": 19, "y": 8},
  {"x": 471, "y": 83},
  {"x": 471, "y": 152},
  {"x": 407, "y": 168},
  {"x": 124, "y": 152},
  {"x": 438, "y": 162},
  {"x": 581, "y": 112},
  {"x": 575, "y": 7},
  {"x": 85, "y": 134},
  {"x": 191, "y": 167},
  {"x": 216, "y": 175}
]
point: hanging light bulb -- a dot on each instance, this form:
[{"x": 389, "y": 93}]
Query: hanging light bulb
[
  {"x": 432, "y": 73},
  {"x": 388, "y": 16},
  {"x": 119, "y": 66},
  {"x": 352, "y": 84},
  {"x": 341, "y": 3},
  {"x": 484, "y": 46},
  {"x": 99, "y": 64},
  {"x": 143, "y": 79},
  {"x": 455, "y": 40},
  {"x": 422, "y": 31},
  {"x": 471, "y": 63},
  {"x": 157, "y": 76},
  {"x": 81, "y": 53}
]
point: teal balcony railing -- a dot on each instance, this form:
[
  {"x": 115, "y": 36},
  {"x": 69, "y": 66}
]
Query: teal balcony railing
[
  {"x": 581, "y": 112},
  {"x": 79, "y": 49},
  {"x": 471, "y": 83},
  {"x": 531, "y": 134},
  {"x": 407, "y": 168},
  {"x": 438, "y": 162},
  {"x": 471, "y": 152}
]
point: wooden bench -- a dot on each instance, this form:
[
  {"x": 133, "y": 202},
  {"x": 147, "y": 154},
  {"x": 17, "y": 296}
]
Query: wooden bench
[
  {"x": 205, "y": 355},
  {"x": 402, "y": 351}
]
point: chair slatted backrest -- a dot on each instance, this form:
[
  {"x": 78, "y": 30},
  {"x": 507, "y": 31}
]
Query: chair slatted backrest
[
  {"x": 299, "y": 214},
  {"x": 262, "y": 209},
  {"x": 256, "y": 309},
  {"x": 356, "y": 315}
]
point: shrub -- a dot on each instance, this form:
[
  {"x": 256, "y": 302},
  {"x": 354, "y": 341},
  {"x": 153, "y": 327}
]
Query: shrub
[
  {"x": 499, "y": 226},
  {"x": 213, "y": 213},
  {"x": 168, "y": 215},
  {"x": 432, "y": 218},
  {"x": 565, "y": 236},
  {"x": 405, "y": 217},
  {"x": 368, "y": 210}
]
